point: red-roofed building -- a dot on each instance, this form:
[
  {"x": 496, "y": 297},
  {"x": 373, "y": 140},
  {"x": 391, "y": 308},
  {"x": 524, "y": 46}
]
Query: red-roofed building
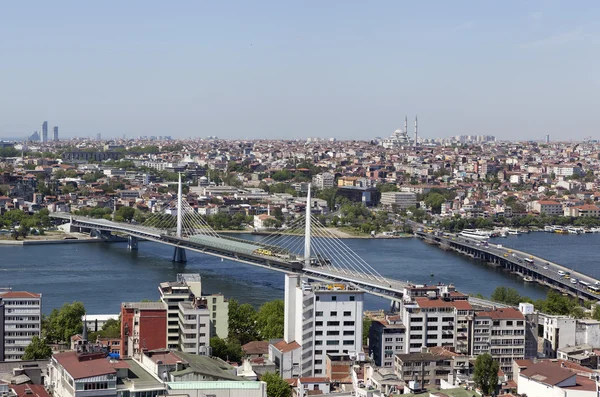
[
  {"x": 143, "y": 327},
  {"x": 28, "y": 390},
  {"x": 549, "y": 378},
  {"x": 548, "y": 207},
  {"x": 20, "y": 321},
  {"x": 501, "y": 333}
]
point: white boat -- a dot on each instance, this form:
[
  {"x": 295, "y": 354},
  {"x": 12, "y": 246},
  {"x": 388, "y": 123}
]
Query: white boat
[
  {"x": 573, "y": 230},
  {"x": 528, "y": 279},
  {"x": 549, "y": 229},
  {"x": 513, "y": 232},
  {"x": 475, "y": 234},
  {"x": 595, "y": 230}
]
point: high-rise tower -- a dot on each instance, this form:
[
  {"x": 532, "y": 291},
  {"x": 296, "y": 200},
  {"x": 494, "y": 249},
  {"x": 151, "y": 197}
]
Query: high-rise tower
[
  {"x": 45, "y": 132},
  {"x": 55, "y": 131},
  {"x": 406, "y": 125}
]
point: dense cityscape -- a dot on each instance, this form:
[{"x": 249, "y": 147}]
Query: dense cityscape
[{"x": 319, "y": 337}]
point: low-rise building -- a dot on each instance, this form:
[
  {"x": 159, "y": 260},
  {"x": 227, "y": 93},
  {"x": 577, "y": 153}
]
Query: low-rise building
[{"x": 398, "y": 200}]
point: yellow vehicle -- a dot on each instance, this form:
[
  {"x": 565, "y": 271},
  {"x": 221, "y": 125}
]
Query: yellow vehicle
[
  {"x": 505, "y": 255},
  {"x": 509, "y": 251}
]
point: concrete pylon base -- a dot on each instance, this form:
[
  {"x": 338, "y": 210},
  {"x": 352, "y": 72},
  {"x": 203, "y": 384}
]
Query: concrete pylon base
[{"x": 179, "y": 255}]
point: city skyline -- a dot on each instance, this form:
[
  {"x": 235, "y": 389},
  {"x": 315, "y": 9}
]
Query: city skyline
[{"x": 349, "y": 71}]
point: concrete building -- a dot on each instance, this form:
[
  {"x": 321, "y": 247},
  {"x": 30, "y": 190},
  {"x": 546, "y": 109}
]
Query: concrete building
[
  {"x": 143, "y": 326},
  {"x": 55, "y": 133},
  {"x": 563, "y": 331},
  {"x": 386, "y": 339},
  {"x": 20, "y": 321},
  {"x": 435, "y": 316},
  {"x": 325, "y": 180},
  {"x": 431, "y": 366},
  {"x": 547, "y": 207},
  {"x": 194, "y": 327},
  {"x": 44, "y": 132},
  {"x": 172, "y": 293},
  {"x": 551, "y": 379},
  {"x": 501, "y": 333},
  {"x": 399, "y": 200},
  {"x": 95, "y": 322},
  {"x": 582, "y": 211},
  {"x": 320, "y": 319}
]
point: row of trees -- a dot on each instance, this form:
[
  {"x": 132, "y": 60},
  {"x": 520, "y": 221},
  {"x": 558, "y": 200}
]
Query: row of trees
[{"x": 555, "y": 303}]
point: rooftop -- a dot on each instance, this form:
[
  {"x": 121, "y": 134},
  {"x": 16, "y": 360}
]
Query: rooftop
[
  {"x": 81, "y": 366},
  {"x": 145, "y": 305}
]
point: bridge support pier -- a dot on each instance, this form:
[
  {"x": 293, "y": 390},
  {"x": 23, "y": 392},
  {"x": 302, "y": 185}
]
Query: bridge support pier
[
  {"x": 132, "y": 243},
  {"x": 179, "y": 255}
]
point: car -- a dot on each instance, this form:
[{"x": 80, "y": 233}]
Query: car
[
  {"x": 597, "y": 283},
  {"x": 574, "y": 281},
  {"x": 545, "y": 267},
  {"x": 509, "y": 251}
]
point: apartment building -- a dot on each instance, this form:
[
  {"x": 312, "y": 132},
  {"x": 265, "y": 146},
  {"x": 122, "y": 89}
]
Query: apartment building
[
  {"x": 501, "y": 333},
  {"x": 431, "y": 366},
  {"x": 320, "y": 319},
  {"x": 20, "y": 321},
  {"x": 547, "y": 207},
  {"x": 174, "y": 292},
  {"x": 562, "y": 331},
  {"x": 386, "y": 339},
  {"x": 325, "y": 180},
  {"x": 194, "y": 327},
  {"x": 399, "y": 200},
  {"x": 143, "y": 327},
  {"x": 435, "y": 316}
]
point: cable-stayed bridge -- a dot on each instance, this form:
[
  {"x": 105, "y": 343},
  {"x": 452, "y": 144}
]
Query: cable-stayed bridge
[{"x": 302, "y": 246}]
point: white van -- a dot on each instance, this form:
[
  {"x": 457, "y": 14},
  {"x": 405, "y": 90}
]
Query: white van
[{"x": 561, "y": 273}]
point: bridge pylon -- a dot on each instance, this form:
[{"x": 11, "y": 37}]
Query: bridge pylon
[{"x": 179, "y": 255}]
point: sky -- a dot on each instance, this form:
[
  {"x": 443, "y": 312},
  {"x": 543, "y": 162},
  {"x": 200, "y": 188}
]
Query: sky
[{"x": 283, "y": 69}]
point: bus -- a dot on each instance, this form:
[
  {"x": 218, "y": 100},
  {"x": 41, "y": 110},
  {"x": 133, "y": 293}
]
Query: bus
[
  {"x": 585, "y": 284},
  {"x": 593, "y": 289},
  {"x": 529, "y": 260}
]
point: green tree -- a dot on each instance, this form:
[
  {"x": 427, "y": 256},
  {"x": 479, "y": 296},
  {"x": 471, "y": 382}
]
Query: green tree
[
  {"x": 242, "y": 322},
  {"x": 226, "y": 349},
  {"x": 485, "y": 374},
  {"x": 510, "y": 296},
  {"x": 596, "y": 312},
  {"x": 276, "y": 386},
  {"x": 38, "y": 349},
  {"x": 125, "y": 214},
  {"x": 270, "y": 319},
  {"x": 435, "y": 201},
  {"x": 61, "y": 324},
  {"x": 365, "y": 331}
]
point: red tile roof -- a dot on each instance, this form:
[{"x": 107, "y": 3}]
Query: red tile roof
[
  {"x": 502, "y": 314},
  {"x": 80, "y": 367},
  {"x": 285, "y": 347},
  {"x": 19, "y": 294},
  {"x": 256, "y": 347},
  {"x": 27, "y": 390}
]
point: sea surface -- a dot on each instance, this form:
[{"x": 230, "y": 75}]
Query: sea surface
[{"x": 103, "y": 275}]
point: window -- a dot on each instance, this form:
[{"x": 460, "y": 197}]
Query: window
[
  {"x": 351, "y": 298},
  {"x": 318, "y": 342},
  {"x": 319, "y": 314},
  {"x": 333, "y": 323},
  {"x": 334, "y": 298},
  {"x": 432, "y": 328},
  {"x": 333, "y": 333},
  {"x": 348, "y": 342},
  {"x": 346, "y": 314},
  {"x": 317, "y": 362},
  {"x": 348, "y": 333},
  {"x": 416, "y": 328},
  {"x": 318, "y": 298},
  {"x": 318, "y": 371},
  {"x": 349, "y": 323},
  {"x": 388, "y": 339},
  {"x": 432, "y": 319},
  {"x": 509, "y": 323},
  {"x": 417, "y": 320},
  {"x": 318, "y": 333},
  {"x": 317, "y": 352},
  {"x": 520, "y": 323},
  {"x": 446, "y": 319},
  {"x": 333, "y": 314},
  {"x": 496, "y": 323},
  {"x": 318, "y": 323},
  {"x": 332, "y": 342}
]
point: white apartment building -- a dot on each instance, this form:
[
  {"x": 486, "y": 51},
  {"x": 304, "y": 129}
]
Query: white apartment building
[
  {"x": 401, "y": 200},
  {"x": 20, "y": 321},
  {"x": 187, "y": 288},
  {"x": 548, "y": 207},
  {"x": 194, "y": 327},
  {"x": 501, "y": 333},
  {"x": 435, "y": 316},
  {"x": 562, "y": 331},
  {"x": 324, "y": 181},
  {"x": 320, "y": 319},
  {"x": 566, "y": 170}
]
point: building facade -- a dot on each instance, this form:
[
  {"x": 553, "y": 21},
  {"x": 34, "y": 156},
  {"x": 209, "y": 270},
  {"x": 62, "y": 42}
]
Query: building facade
[
  {"x": 21, "y": 320},
  {"x": 143, "y": 327},
  {"x": 194, "y": 327},
  {"x": 399, "y": 200},
  {"x": 386, "y": 339}
]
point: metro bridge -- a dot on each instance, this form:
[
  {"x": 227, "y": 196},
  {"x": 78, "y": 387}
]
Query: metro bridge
[{"x": 305, "y": 247}]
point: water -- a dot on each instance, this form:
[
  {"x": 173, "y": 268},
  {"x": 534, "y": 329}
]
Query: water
[{"x": 104, "y": 275}]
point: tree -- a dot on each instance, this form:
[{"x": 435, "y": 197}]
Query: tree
[
  {"x": 596, "y": 312},
  {"x": 125, "y": 214},
  {"x": 270, "y": 319},
  {"x": 510, "y": 296},
  {"x": 226, "y": 349},
  {"x": 61, "y": 324},
  {"x": 365, "y": 331},
  {"x": 38, "y": 349},
  {"x": 276, "y": 386},
  {"x": 242, "y": 322},
  {"x": 485, "y": 374}
]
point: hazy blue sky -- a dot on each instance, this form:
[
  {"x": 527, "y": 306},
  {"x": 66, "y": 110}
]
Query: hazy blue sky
[{"x": 283, "y": 69}]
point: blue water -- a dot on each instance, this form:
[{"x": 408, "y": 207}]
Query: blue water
[{"x": 104, "y": 275}]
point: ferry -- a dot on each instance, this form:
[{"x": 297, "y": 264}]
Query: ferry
[
  {"x": 513, "y": 232},
  {"x": 475, "y": 234}
]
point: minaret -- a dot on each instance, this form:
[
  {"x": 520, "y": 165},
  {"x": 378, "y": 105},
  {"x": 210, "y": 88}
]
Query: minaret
[
  {"x": 406, "y": 125},
  {"x": 415, "y": 132}
]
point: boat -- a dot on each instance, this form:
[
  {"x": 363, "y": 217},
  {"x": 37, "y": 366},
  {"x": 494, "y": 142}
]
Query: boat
[
  {"x": 573, "y": 230},
  {"x": 513, "y": 232},
  {"x": 549, "y": 229},
  {"x": 595, "y": 230},
  {"x": 475, "y": 234},
  {"x": 560, "y": 230},
  {"x": 528, "y": 279}
]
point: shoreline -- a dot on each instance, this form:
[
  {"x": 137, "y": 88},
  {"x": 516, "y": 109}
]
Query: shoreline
[{"x": 51, "y": 241}]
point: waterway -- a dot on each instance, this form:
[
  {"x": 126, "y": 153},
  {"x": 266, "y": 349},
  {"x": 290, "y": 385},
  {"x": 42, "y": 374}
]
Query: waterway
[{"x": 104, "y": 275}]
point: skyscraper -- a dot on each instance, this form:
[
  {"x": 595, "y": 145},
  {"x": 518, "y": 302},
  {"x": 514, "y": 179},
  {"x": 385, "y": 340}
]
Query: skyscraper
[
  {"x": 55, "y": 130},
  {"x": 45, "y": 132},
  {"x": 98, "y": 137}
]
